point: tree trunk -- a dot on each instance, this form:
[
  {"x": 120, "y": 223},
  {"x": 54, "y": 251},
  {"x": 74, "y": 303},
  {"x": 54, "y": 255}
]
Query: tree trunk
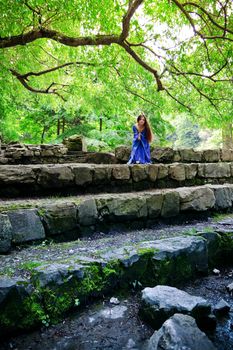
[
  {"x": 63, "y": 125},
  {"x": 43, "y": 135},
  {"x": 58, "y": 127},
  {"x": 227, "y": 141}
]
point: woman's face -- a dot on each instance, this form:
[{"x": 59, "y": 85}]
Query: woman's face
[{"x": 141, "y": 122}]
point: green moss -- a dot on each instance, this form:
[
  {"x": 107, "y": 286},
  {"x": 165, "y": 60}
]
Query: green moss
[{"x": 29, "y": 265}]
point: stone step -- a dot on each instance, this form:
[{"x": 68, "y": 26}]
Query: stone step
[
  {"x": 71, "y": 178},
  {"x": 39, "y": 284},
  {"x": 68, "y": 218}
]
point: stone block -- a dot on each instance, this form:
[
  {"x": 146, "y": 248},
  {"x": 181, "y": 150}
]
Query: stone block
[
  {"x": 83, "y": 175},
  {"x": 171, "y": 204},
  {"x": 190, "y": 171},
  {"x": 154, "y": 205},
  {"x": 196, "y": 198},
  {"x": 211, "y": 155},
  {"x": 177, "y": 172},
  {"x": 120, "y": 172},
  {"x": 87, "y": 212},
  {"x": 163, "y": 171},
  {"x": 56, "y": 176},
  {"x": 26, "y": 225},
  {"x": 190, "y": 155},
  {"x": 139, "y": 172},
  {"x": 59, "y": 218}
]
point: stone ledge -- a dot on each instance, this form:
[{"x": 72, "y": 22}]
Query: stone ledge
[
  {"x": 70, "y": 218},
  {"x": 92, "y": 178},
  {"x": 51, "y": 289}
]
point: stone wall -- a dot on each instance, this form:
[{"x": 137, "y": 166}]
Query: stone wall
[
  {"x": 41, "y": 179},
  {"x": 16, "y": 153},
  {"x": 25, "y": 221},
  {"x": 169, "y": 155}
]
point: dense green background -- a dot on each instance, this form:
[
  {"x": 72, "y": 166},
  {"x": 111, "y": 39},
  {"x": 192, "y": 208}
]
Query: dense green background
[{"x": 115, "y": 87}]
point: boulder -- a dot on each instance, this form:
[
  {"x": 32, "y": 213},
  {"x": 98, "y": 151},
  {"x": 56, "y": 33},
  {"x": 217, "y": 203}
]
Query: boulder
[
  {"x": 87, "y": 212},
  {"x": 55, "y": 176},
  {"x": 161, "y": 302},
  {"x": 26, "y": 225},
  {"x": 75, "y": 143},
  {"x": 122, "y": 153},
  {"x": 171, "y": 204},
  {"x": 180, "y": 332},
  {"x": 177, "y": 172},
  {"x": 5, "y": 233},
  {"x": 60, "y": 218},
  {"x": 199, "y": 199}
]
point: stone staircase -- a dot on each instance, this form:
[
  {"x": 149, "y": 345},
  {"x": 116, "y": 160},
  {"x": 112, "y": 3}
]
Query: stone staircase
[{"x": 86, "y": 207}]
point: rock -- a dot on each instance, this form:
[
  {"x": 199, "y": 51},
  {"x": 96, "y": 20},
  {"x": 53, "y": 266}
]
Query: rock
[
  {"x": 222, "y": 308},
  {"x": 163, "y": 171},
  {"x": 20, "y": 174},
  {"x": 230, "y": 287},
  {"x": 122, "y": 153},
  {"x": 120, "y": 172},
  {"x": 122, "y": 208},
  {"x": 139, "y": 172},
  {"x": 177, "y": 172},
  {"x": 165, "y": 154},
  {"x": 223, "y": 196},
  {"x": 14, "y": 288},
  {"x": 154, "y": 205},
  {"x": 56, "y": 274},
  {"x": 26, "y": 225},
  {"x": 214, "y": 170},
  {"x": 114, "y": 301},
  {"x": 152, "y": 171},
  {"x": 56, "y": 176},
  {"x": 60, "y": 218},
  {"x": 190, "y": 171},
  {"x": 102, "y": 174},
  {"x": 87, "y": 212},
  {"x": 5, "y": 233},
  {"x": 226, "y": 155},
  {"x": 171, "y": 204},
  {"x": 216, "y": 272},
  {"x": 101, "y": 158},
  {"x": 83, "y": 175},
  {"x": 190, "y": 155},
  {"x": 180, "y": 332},
  {"x": 75, "y": 143},
  {"x": 211, "y": 155},
  {"x": 199, "y": 199},
  {"x": 161, "y": 302}
]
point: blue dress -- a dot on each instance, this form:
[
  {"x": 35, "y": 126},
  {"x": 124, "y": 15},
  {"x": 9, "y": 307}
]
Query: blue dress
[{"x": 140, "y": 153}]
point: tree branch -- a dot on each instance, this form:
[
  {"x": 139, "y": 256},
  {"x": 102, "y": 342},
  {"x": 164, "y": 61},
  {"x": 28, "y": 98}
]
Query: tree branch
[{"x": 133, "y": 5}]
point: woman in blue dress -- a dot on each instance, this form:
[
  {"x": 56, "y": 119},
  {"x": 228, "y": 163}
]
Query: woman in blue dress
[{"x": 140, "y": 153}]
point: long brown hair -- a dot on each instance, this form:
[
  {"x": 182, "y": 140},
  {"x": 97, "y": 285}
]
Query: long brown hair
[{"x": 149, "y": 134}]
